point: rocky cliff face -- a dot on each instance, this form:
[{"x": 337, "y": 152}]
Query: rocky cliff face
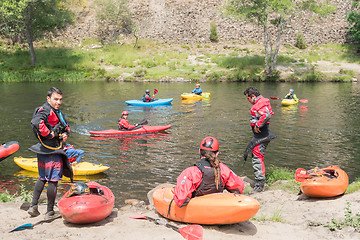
[{"x": 188, "y": 21}]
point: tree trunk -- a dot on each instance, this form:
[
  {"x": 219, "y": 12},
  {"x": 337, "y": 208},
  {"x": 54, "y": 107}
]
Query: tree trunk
[
  {"x": 29, "y": 36},
  {"x": 136, "y": 39},
  {"x": 276, "y": 53},
  {"x": 267, "y": 54}
]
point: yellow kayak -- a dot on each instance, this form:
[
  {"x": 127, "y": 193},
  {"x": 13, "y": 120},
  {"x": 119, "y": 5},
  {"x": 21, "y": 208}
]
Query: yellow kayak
[
  {"x": 82, "y": 178},
  {"x": 83, "y": 168},
  {"x": 288, "y": 102},
  {"x": 204, "y": 95}
]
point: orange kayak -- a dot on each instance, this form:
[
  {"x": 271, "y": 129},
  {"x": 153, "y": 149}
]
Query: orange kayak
[
  {"x": 217, "y": 208},
  {"x": 325, "y": 182}
]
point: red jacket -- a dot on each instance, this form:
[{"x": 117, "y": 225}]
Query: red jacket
[
  {"x": 261, "y": 112},
  {"x": 190, "y": 179},
  {"x": 124, "y": 124}
]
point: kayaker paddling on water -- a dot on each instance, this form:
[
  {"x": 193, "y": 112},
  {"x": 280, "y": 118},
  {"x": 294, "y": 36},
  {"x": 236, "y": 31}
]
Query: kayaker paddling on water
[
  {"x": 51, "y": 129},
  {"x": 209, "y": 175},
  {"x": 123, "y": 123},
  {"x": 147, "y": 97},
  {"x": 291, "y": 95},
  {"x": 197, "y": 89},
  {"x": 261, "y": 112}
]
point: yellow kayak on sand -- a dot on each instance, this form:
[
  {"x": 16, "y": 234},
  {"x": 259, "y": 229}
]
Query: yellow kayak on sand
[
  {"x": 204, "y": 95},
  {"x": 83, "y": 168},
  {"x": 288, "y": 102}
]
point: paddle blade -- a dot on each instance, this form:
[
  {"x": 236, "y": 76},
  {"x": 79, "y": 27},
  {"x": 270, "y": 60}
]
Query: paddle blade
[
  {"x": 192, "y": 232},
  {"x": 303, "y": 100},
  {"x": 155, "y": 91},
  {"x": 143, "y": 122},
  {"x": 274, "y": 98},
  {"x": 301, "y": 175},
  {"x": 22, "y": 227},
  {"x": 138, "y": 217}
]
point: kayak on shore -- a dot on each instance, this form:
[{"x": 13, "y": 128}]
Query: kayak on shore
[
  {"x": 204, "y": 95},
  {"x": 157, "y": 102},
  {"x": 82, "y": 168},
  {"x": 216, "y": 208},
  {"x": 6, "y": 149},
  {"x": 87, "y": 208},
  {"x": 141, "y": 130},
  {"x": 326, "y": 182}
]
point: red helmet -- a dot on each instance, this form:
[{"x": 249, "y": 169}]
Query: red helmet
[
  {"x": 125, "y": 113},
  {"x": 210, "y": 143}
]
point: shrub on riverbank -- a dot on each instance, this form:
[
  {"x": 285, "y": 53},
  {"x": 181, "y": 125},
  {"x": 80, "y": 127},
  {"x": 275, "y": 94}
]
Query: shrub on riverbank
[
  {"x": 24, "y": 195},
  {"x": 114, "y": 62}
]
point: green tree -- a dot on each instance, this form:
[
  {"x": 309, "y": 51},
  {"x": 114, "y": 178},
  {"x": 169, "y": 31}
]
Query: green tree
[
  {"x": 114, "y": 17},
  {"x": 353, "y": 17},
  {"x": 273, "y": 14},
  {"x": 300, "y": 41},
  {"x": 213, "y": 32},
  {"x": 30, "y": 19}
]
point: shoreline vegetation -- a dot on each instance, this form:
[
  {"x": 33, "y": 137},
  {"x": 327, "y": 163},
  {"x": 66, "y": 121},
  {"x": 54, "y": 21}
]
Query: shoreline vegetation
[{"x": 199, "y": 62}]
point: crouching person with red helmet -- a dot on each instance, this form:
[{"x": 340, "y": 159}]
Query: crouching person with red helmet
[{"x": 207, "y": 176}]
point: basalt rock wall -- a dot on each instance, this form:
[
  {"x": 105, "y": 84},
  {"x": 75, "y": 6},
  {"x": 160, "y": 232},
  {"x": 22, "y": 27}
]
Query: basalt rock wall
[{"x": 188, "y": 21}]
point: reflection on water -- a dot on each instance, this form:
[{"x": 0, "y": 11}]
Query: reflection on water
[{"x": 322, "y": 132}]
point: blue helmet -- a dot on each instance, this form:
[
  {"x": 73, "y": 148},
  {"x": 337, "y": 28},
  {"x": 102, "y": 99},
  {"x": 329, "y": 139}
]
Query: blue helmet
[{"x": 291, "y": 90}]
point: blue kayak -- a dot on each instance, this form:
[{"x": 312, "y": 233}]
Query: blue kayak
[{"x": 153, "y": 103}]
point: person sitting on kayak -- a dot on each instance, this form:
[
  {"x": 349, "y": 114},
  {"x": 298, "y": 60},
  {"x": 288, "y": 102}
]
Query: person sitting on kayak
[
  {"x": 207, "y": 176},
  {"x": 123, "y": 123},
  {"x": 291, "y": 95},
  {"x": 197, "y": 89},
  {"x": 74, "y": 155},
  {"x": 147, "y": 97}
]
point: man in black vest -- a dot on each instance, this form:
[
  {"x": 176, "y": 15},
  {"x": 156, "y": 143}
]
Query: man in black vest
[{"x": 51, "y": 129}]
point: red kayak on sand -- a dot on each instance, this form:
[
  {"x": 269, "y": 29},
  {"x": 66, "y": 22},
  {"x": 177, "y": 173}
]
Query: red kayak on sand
[
  {"x": 7, "y": 149},
  {"x": 87, "y": 208},
  {"x": 141, "y": 130}
]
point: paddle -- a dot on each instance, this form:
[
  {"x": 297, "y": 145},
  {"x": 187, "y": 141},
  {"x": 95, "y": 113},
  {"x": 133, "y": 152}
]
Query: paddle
[
  {"x": 155, "y": 91},
  {"x": 190, "y": 232},
  {"x": 143, "y": 122},
  {"x": 30, "y": 225},
  {"x": 300, "y": 100},
  {"x": 139, "y": 125}
]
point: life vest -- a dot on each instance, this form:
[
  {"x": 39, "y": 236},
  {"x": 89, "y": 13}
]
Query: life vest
[
  {"x": 207, "y": 185},
  {"x": 147, "y": 98},
  {"x": 289, "y": 96},
  {"x": 54, "y": 122}
]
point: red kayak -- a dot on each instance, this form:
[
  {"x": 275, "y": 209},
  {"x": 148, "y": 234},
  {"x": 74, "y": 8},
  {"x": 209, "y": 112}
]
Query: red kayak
[
  {"x": 87, "y": 208},
  {"x": 7, "y": 149},
  {"x": 141, "y": 130}
]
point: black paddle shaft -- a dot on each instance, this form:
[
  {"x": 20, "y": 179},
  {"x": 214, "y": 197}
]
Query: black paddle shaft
[{"x": 158, "y": 221}]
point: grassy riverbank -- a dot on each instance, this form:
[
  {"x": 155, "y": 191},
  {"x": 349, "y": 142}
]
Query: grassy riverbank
[{"x": 152, "y": 61}]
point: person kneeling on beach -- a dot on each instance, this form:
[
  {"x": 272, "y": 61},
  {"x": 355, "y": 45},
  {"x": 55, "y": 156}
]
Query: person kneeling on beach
[{"x": 207, "y": 176}]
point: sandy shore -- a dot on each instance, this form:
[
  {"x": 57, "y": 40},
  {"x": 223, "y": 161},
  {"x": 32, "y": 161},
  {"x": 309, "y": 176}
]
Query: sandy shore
[{"x": 296, "y": 212}]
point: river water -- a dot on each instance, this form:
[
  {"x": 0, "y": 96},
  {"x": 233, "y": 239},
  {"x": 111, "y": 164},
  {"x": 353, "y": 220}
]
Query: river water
[{"x": 325, "y": 131}]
